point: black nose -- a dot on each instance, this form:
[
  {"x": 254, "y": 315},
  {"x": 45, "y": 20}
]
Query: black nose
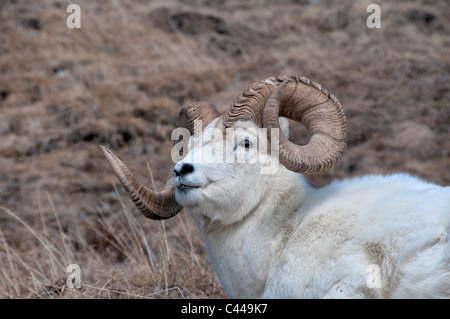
[{"x": 186, "y": 168}]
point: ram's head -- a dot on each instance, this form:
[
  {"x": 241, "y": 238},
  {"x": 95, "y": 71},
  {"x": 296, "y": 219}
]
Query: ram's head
[{"x": 210, "y": 171}]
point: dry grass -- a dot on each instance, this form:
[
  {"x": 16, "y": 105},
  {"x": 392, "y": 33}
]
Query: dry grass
[
  {"x": 120, "y": 81},
  {"x": 118, "y": 258}
]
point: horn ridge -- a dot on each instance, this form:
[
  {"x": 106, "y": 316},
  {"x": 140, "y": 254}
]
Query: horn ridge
[
  {"x": 301, "y": 100},
  {"x": 152, "y": 204}
]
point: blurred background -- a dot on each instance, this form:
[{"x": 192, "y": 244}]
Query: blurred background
[{"x": 120, "y": 80}]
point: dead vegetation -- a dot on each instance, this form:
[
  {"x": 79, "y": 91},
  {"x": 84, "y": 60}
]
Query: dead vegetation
[{"x": 120, "y": 81}]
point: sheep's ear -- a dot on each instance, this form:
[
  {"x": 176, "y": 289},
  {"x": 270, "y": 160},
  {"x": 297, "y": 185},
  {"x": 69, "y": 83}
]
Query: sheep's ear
[{"x": 284, "y": 125}]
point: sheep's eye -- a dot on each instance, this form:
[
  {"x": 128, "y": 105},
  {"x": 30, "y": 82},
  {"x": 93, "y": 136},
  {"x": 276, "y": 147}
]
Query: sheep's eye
[{"x": 247, "y": 144}]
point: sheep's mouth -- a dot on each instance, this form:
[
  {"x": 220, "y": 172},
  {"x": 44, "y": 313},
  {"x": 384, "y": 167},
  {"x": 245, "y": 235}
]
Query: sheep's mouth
[{"x": 184, "y": 186}]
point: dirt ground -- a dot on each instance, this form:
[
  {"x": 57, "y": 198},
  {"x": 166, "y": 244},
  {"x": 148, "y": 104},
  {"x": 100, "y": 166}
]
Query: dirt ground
[{"x": 120, "y": 81}]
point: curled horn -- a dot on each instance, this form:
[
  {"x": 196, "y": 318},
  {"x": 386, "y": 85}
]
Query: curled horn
[
  {"x": 153, "y": 204},
  {"x": 301, "y": 100}
]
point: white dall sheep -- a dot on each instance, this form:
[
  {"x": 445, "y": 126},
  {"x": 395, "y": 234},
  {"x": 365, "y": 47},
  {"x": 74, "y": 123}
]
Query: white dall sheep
[{"x": 272, "y": 235}]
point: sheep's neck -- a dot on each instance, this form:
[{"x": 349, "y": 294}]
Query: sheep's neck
[{"x": 244, "y": 252}]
